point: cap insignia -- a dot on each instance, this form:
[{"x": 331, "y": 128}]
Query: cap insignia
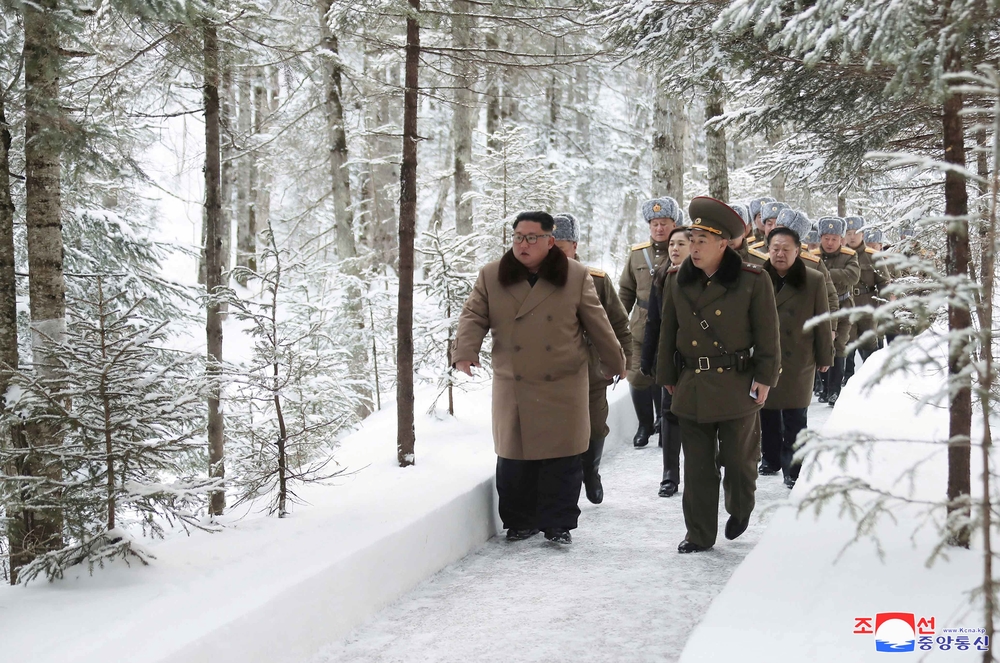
[{"x": 656, "y": 207}]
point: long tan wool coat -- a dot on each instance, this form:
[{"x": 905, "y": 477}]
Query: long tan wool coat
[{"x": 540, "y": 359}]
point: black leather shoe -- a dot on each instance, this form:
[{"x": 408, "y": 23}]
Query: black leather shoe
[
  {"x": 833, "y": 399},
  {"x": 559, "y": 535},
  {"x": 641, "y": 438},
  {"x": 766, "y": 469},
  {"x": 823, "y": 398},
  {"x": 594, "y": 490},
  {"x": 668, "y": 489},
  {"x": 520, "y": 534},
  {"x": 736, "y": 527},
  {"x": 688, "y": 547},
  {"x": 790, "y": 482}
]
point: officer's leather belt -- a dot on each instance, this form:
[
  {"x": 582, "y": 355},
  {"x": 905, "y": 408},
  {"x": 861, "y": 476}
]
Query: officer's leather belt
[
  {"x": 863, "y": 290},
  {"x": 844, "y": 297},
  {"x": 710, "y": 363},
  {"x": 642, "y": 303}
]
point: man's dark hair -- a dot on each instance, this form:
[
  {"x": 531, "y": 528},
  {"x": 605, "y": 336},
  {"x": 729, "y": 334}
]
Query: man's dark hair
[
  {"x": 782, "y": 230},
  {"x": 543, "y": 218}
]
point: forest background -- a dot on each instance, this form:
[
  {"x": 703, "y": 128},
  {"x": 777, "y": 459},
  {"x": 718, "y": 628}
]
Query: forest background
[{"x": 323, "y": 179}]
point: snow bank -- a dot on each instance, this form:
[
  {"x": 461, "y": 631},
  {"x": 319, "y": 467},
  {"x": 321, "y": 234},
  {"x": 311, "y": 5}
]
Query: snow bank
[
  {"x": 276, "y": 590},
  {"x": 793, "y": 599}
]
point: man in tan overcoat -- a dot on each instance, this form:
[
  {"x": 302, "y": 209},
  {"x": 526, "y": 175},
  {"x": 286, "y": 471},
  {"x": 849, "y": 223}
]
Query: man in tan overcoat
[
  {"x": 537, "y": 304},
  {"x": 800, "y": 295}
]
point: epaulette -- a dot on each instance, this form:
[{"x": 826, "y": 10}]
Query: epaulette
[
  {"x": 816, "y": 251},
  {"x": 750, "y": 267},
  {"x": 808, "y": 256},
  {"x": 640, "y": 247},
  {"x": 870, "y": 250},
  {"x": 757, "y": 245},
  {"x": 597, "y": 272},
  {"x": 847, "y": 252},
  {"x": 674, "y": 269},
  {"x": 758, "y": 254}
]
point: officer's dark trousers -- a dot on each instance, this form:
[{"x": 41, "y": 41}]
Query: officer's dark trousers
[
  {"x": 539, "y": 494},
  {"x": 778, "y": 430},
  {"x": 738, "y": 452},
  {"x": 670, "y": 436}
]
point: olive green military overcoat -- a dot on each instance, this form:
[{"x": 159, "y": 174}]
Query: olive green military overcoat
[
  {"x": 803, "y": 296},
  {"x": 758, "y": 256},
  {"x": 540, "y": 358},
  {"x": 618, "y": 318},
  {"x": 738, "y": 304},
  {"x": 633, "y": 289},
  {"x": 845, "y": 272}
]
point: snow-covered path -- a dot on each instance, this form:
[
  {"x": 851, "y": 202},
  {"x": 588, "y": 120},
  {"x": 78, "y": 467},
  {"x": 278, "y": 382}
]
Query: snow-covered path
[{"x": 620, "y": 592}]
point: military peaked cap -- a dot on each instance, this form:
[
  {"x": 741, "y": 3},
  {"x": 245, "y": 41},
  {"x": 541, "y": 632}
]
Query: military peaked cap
[
  {"x": 660, "y": 208},
  {"x": 567, "y": 229},
  {"x": 716, "y": 217}
]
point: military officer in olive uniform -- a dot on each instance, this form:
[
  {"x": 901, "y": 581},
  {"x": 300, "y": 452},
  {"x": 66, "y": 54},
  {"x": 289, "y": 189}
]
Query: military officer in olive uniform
[
  {"x": 567, "y": 237},
  {"x": 741, "y": 243},
  {"x": 874, "y": 278},
  {"x": 768, "y": 217},
  {"x": 757, "y": 226},
  {"x": 845, "y": 272},
  {"x": 719, "y": 319},
  {"x": 662, "y": 215}
]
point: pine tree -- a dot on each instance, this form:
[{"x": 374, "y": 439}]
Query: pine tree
[{"x": 128, "y": 415}]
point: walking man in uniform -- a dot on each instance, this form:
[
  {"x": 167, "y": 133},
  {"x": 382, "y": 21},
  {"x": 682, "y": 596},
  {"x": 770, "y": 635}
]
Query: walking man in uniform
[
  {"x": 719, "y": 316},
  {"x": 538, "y": 305},
  {"x": 845, "y": 272},
  {"x": 874, "y": 277},
  {"x": 662, "y": 215},
  {"x": 567, "y": 237}
]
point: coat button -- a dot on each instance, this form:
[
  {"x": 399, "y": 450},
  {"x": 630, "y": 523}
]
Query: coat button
[
  {"x": 549, "y": 318},
  {"x": 694, "y": 342},
  {"x": 715, "y": 343},
  {"x": 719, "y": 369},
  {"x": 517, "y": 377},
  {"x": 517, "y": 348},
  {"x": 548, "y": 348},
  {"x": 718, "y": 312},
  {"x": 697, "y": 370}
]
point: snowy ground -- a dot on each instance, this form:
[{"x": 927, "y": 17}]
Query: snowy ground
[{"x": 620, "y": 592}]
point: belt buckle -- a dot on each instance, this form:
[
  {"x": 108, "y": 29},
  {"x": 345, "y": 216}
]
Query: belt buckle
[
  {"x": 703, "y": 324},
  {"x": 857, "y": 291},
  {"x": 703, "y": 364}
]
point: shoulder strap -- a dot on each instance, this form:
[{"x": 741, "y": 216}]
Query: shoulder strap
[
  {"x": 703, "y": 323},
  {"x": 645, "y": 254}
]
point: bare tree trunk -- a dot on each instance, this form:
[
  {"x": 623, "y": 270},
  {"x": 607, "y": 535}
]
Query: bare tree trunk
[
  {"x": 492, "y": 94},
  {"x": 464, "y": 116},
  {"x": 8, "y": 281},
  {"x": 227, "y": 100},
  {"x": 405, "y": 433},
  {"x": 959, "y": 318},
  {"x": 246, "y": 249},
  {"x": 38, "y": 530},
  {"x": 715, "y": 144},
  {"x": 213, "y": 263},
  {"x": 841, "y": 204},
  {"x": 553, "y": 98},
  {"x": 265, "y": 104},
  {"x": 778, "y": 181},
  {"x": 668, "y": 144},
  {"x": 337, "y": 137}
]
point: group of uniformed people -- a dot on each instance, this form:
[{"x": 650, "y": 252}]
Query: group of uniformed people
[{"x": 708, "y": 324}]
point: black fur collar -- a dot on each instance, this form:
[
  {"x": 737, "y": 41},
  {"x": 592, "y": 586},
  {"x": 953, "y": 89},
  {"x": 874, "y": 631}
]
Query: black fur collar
[
  {"x": 796, "y": 276},
  {"x": 554, "y": 269},
  {"x": 727, "y": 275}
]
